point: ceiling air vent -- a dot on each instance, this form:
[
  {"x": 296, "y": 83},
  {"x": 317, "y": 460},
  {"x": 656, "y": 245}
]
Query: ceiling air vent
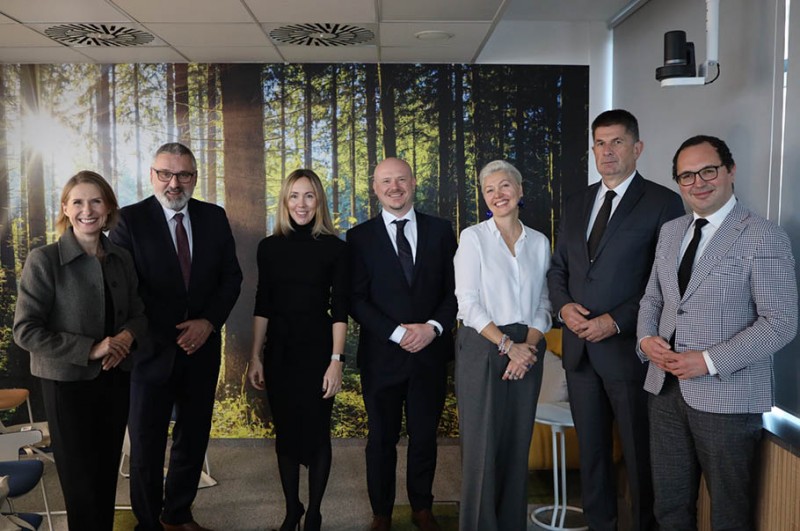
[
  {"x": 322, "y": 34},
  {"x": 97, "y": 35}
]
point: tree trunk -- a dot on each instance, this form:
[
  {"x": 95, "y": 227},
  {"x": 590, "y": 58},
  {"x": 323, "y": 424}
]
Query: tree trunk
[
  {"x": 354, "y": 74},
  {"x": 138, "y": 132},
  {"x": 32, "y": 159},
  {"x": 103, "y": 117},
  {"x": 170, "y": 136},
  {"x": 387, "y": 87},
  {"x": 335, "y": 143},
  {"x": 7, "y": 261},
  {"x": 460, "y": 173},
  {"x": 182, "y": 103},
  {"x": 308, "y": 92},
  {"x": 245, "y": 188},
  {"x": 213, "y": 117},
  {"x": 372, "y": 134},
  {"x": 114, "y": 177},
  {"x": 282, "y": 74},
  {"x": 444, "y": 107}
]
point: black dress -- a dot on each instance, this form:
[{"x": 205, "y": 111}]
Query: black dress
[{"x": 302, "y": 291}]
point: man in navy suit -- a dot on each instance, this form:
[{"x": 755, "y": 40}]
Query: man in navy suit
[
  {"x": 722, "y": 298},
  {"x": 189, "y": 280},
  {"x": 599, "y": 271},
  {"x": 403, "y": 296}
]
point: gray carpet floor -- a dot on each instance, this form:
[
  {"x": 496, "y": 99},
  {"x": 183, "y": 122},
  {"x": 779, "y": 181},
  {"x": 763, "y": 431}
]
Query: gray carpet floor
[{"x": 248, "y": 494}]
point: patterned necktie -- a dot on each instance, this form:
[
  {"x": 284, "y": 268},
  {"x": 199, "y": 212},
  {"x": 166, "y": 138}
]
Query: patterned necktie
[
  {"x": 404, "y": 250},
  {"x": 184, "y": 256},
  {"x": 600, "y": 223},
  {"x": 685, "y": 269}
]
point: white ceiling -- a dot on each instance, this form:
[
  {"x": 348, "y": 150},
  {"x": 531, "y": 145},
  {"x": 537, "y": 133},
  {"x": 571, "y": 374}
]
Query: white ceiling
[{"x": 227, "y": 31}]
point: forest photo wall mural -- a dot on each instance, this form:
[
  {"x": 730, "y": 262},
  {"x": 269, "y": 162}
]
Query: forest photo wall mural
[{"x": 250, "y": 125}]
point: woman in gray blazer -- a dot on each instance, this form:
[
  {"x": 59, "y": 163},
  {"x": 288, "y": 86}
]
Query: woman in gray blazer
[{"x": 79, "y": 314}]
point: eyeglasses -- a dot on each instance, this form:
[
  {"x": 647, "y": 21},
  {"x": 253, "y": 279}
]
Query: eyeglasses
[
  {"x": 709, "y": 173},
  {"x": 166, "y": 176}
]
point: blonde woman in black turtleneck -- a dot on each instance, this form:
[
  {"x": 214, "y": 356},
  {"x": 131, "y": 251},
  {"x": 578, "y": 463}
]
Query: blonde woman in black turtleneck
[{"x": 299, "y": 328}]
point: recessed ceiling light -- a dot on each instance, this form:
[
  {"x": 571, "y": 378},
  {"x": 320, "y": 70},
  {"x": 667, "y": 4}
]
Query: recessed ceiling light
[{"x": 433, "y": 35}]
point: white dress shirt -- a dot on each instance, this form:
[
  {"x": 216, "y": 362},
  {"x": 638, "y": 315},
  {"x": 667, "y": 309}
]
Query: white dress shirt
[
  {"x": 169, "y": 214},
  {"x": 707, "y": 232},
  {"x": 494, "y": 286},
  {"x": 410, "y": 232}
]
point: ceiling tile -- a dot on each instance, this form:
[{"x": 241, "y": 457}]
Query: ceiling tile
[
  {"x": 134, "y": 54},
  {"x": 200, "y": 34},
  {"x": 441, "y": 54},
  {"x": 186, "y": 10},
  {"x": 444, "y": 10},
  {"x": 5, "y": 20},
  {"x": 316, "y": 54},
  {"x": 297, "y": 11},
  {"x": 42, "y": 28},
  {"x": 31, "y": 12},
  {"x": 42, "y": 55},
  {"x": 20, "y": 36},
  {"x": 231, "y": 54},
  {"x": 573, "y": 10}
]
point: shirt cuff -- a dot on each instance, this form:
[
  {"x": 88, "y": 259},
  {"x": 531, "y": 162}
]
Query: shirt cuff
[
  {"x": 710, "y": 364},
  {"x": 436, "y": 325},
  {"x": 397, "y": 335}
]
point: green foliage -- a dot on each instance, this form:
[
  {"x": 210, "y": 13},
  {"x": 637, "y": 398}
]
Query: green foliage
[{"x": 235, "y": 418}]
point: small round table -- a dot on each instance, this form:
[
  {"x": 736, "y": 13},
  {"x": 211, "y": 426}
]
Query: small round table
[{"x": 558, "y": 416}]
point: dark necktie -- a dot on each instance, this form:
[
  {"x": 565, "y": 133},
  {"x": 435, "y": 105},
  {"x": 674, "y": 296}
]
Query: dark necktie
[
  {"x": 600, "y": 223},
  {"x": 184, "y": 256},
  {"x": 404, "y": 250},
  {"x": 685, "y": 269}
]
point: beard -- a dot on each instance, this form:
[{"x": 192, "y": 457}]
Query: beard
[{"x": 177, "y": 203}]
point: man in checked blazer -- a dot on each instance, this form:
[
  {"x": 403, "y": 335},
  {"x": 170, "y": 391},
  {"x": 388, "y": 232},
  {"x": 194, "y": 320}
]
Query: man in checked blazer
[
  {"x": 709, "y": 325},
  {"x": 403, "y": 296}
]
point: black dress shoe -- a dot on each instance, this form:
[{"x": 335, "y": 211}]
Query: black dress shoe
[
  {"x": 188, "y": 526},
  {"x": 425, "y": 520},
  {"x": 381, "y": 523}
]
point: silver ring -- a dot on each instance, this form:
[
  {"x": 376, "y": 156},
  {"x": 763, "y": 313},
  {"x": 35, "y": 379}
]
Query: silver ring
[
  {"x": 508, "y": 372},
  {"x": 192, "y": 345}
]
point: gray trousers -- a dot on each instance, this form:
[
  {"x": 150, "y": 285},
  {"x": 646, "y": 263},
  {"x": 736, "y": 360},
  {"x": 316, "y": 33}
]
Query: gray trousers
[
  {"x": 496, "y": 422},
  {"x": 685, "y": 442}
]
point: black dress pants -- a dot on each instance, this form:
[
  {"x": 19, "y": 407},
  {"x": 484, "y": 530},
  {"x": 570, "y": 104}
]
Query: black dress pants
[{"x": 87, "y": 425}]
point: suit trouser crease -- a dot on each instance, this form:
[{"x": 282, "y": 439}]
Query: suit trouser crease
[
  {"x": 687, "y": 443},
  {"x": 418, "y": 391},
  {"x": 190, "y": 389},
  {"x": 597, "y": 401},
  {"x": 496, "y": 420},
  {"x": 87, "y": 426}
]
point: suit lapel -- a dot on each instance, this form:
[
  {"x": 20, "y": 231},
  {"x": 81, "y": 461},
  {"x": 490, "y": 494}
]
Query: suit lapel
[
  {"x": 385, "y": 249},
  {"x": 165, "y": 239},
  {"x": 675, "y": 250},
  {"x": 423, "y": 234},
  {"x": 588, "y": 202},
  {"x": 632, "y": 196},
  {"x": 727, "y": 234}
]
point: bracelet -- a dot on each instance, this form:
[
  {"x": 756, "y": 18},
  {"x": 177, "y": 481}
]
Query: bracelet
[
  {"x": 507, "y": 347},
  {"x": 501, "y": 347}
]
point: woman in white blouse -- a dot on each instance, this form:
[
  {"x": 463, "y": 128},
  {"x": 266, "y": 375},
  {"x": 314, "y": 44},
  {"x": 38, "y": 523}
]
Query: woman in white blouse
[{"x": 503, "y": 304}]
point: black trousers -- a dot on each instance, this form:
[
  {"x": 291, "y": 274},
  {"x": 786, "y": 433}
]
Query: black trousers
[
  {"x": 87, "y": 425},
  {"x": 190, "y": 389},
  {"x": 419, "y": 392}
]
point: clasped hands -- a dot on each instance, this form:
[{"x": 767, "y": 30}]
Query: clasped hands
[
  {"x": 194, "y": 334},
  {"x": 417, "y": 336},
  {"x": 687, "y": 364},
  {"x": 112, "y": 350},
  {"x": 521, "y": 358},
  {"x": 574, "y": 315}
]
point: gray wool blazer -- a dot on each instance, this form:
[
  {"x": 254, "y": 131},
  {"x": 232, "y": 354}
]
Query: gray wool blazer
[{"x": 60, "y": 310}]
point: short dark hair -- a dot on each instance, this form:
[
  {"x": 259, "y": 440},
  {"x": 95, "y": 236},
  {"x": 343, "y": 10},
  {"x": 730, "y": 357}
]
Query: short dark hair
[
  {"x": 176, "y": 148},
  {"x": 718, "y": 144},
  {"x": 617, "y": 117}
]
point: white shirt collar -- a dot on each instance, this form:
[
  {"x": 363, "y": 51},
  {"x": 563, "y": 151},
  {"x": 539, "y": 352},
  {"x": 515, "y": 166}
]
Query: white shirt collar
[
  {"x": 719, "y": 216},
  {"x": 388, "y": 217},
  {"x": 169, "y": 213},
  {"x": 619, "y": 190}
]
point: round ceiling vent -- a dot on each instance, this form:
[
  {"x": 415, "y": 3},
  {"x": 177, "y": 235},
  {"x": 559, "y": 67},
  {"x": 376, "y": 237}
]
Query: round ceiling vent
[
  {"x": 319, "y": 34},
  {"x": 97, "y": 35}
]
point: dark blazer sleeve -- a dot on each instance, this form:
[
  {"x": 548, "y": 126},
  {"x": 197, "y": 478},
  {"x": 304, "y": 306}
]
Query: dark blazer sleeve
[
  {"x": 340, "y": 286},
  {"x": 363, "y": 310},
  {"x": 445, "y": 312}
]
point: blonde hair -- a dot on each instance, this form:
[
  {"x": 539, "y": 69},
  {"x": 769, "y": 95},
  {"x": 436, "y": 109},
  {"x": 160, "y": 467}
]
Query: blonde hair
[
  {"x": 88, "y": 177},
  {"x": 322, "y": 217}
]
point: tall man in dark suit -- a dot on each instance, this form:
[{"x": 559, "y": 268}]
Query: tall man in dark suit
[
  {"x": 600, "y": 267},
  {"x": 189, "y": 280},
  {"x": 404, "y": 299},
  {"x": 722, "y": 298}
]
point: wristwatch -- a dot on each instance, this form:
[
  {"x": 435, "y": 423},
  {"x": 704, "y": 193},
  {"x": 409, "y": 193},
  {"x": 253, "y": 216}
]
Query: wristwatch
[{"x": 339, "y": 357}]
